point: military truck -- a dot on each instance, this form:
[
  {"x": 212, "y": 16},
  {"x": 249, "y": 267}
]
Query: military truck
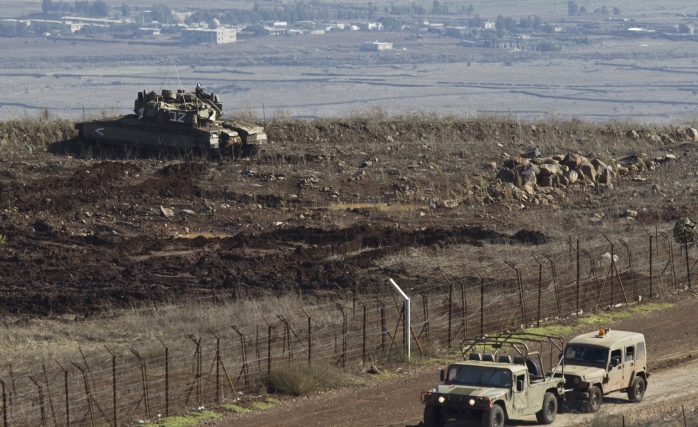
[
  {"x": 504, "y": 380},
  {"x": 177, "y": 122},
  {"x": 599, "y": 363}
]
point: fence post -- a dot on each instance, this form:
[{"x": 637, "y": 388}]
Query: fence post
[
  {"x": 425, "y": 310},
  {"x": 363, "y": 346},
  {"x": 521, "y": 295},
  {"x": 540, "y": 286},
  {"x": 310, "y": 337},
  {"x": 67, "y": 395},
  {"x": 450, "y": 312},
  {"x": 167, "y": 382},
  {"x": 553, "y": 271},
  {"x": 406, "y": 305},
  {"x": 464, "y": 311},
  {"x": 578, "y": 285},
  {"x": 113, "y": 381},
  {"x": 630, "y": 266},
  {"x": 4, "y": 404},
  {"x": 343, "y": 357},
  {"x": 50, "y": 399},
  {"x": 269, "y": 331},
  {"x": 41, "y": 401},
  {"x": 650, "y": 266},
  {"x": 688, "y": 267},
  {"x": 243, "y": 348},
  {"x": 88, "y": 393},
  {"x": 482, "y": 304},
  {"x": 384, "y": 327},
  {"x": 197, "y": 376},
  {"x": 144, "y": 379},
  {"x": 671, "y": 256}
]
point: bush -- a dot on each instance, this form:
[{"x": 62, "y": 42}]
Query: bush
[{"x": 300, "y": 379}]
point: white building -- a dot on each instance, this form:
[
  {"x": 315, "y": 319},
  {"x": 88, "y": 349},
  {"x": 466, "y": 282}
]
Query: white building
[
  {"x": 376, "y": 46},
  {"x": 210, "y": 35}
]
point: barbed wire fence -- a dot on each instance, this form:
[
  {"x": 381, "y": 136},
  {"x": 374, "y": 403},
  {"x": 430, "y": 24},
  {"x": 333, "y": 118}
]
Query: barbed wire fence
[{"x": 363, "y": 327}]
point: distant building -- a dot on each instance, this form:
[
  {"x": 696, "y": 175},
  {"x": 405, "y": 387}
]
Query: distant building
[
  {"x": 211, "y": 35},
  {"x": 371, "y": 26},
  {"x": 488, "y": 25},
  {"x": 376, "y": 46},
  {"x": 148, "y": 32},
  {"x": 317, "y": 32}
]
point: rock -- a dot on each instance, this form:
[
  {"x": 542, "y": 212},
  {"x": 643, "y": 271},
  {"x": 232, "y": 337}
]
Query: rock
[
  {"x": 532, "y": 154},
  {"x": 572, "y": 176},
  {"x": 632, "y": 134},
  {"x": 692, "y": 134},
  {"x": 521, "y": 161},
  {"x": 572, "y": 160},
  {"x": 669, "y": 157},
  {"x": 88, "y": 214},
  {"x": 528, "y": 176},
  {"x": 366, "y": 163},
  {"x": 564, "y": 168},
  {"x": 389, "y": 138},
  {"x": 564, "y": 181},
  {"x": 639, "y": 179},
  {"x": 528, "y": 189},
  {"x": 558, "y": 157},
  {"x": 598, "y": 164},
  {"x": 450, "y": 203},
  {"x": 606, "y": 176},
  {"x": 680, "y": 134},
  {"x": 631, "y": 213},
  {"x": 549, "y": 170},
  {"x": 622, "y": 170},
  {"x": 506, "y": 175},
  {"x": 545, "y": 181},
  {"x": 533, "y": 128},
  {"x": 550, "y": 162},
  {"x": 166, "y": 212},
  {"x": 186, "y": 212},
  {"x": 588, "y": 171},
  {"x": 493, "y": 165}
]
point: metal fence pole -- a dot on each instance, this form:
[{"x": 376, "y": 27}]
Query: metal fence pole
[
  {"x": 41, "y": 401},
  {"x": 67, "y": 395},
  {"x": 310, "y": 337},
  {"x": 167, "y": 380},
  {"x": 4, "y": 404}
]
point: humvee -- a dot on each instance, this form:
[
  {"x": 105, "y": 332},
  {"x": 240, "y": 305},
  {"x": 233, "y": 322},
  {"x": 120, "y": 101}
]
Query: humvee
[
  {"x": 494, "y": 386},
  {"x": 599, "y": 363}
]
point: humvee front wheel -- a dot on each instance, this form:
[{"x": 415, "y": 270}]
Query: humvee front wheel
[
  {"x": 548, "y": 412},
  {"x": 433, "y": 417},
  {"x": 595, "y": 399},
  {"x": 494, "y": 417},
  {"x": 637, "y": 391}
]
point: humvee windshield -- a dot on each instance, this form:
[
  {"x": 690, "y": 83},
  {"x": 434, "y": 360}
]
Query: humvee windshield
[
  {"x": 470, "y": 375},
  {"x": 591, "y": 355}
]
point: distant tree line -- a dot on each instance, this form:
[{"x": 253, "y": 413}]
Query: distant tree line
[
  {"x": 573, "y": 8},
  {"x": 99, "y": 8},
  {"x": 300, "y": 11}
]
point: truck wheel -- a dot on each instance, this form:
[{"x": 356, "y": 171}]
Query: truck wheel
[
  {"x": 637, "y": 391},
  {"x": 595, "y": 399},
  {"x": 494, "y": 417},
  {"x": 433, "y": 417},
  {"x": 548, "y": 412}
]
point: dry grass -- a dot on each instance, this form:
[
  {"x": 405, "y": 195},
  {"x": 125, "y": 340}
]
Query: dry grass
[{"x": 300, "y": 379}]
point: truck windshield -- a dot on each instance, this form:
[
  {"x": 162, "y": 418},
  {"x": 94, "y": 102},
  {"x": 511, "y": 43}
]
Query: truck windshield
[
  {"x": 469, "y": 375},
  {"x": 595, "y": 356}
]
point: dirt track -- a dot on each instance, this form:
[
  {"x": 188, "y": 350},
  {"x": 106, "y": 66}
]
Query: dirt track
[{"x": 395, "y": 402}]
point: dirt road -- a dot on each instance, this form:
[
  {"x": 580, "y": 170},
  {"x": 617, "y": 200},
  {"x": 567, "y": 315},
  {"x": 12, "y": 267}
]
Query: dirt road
[{"x": 395, "y": 402}]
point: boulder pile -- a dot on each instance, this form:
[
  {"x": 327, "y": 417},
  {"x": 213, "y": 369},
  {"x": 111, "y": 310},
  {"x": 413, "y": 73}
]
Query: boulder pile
[{"x": 540, "y": 179}]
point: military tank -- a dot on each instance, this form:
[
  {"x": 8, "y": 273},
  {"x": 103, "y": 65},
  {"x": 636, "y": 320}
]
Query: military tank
[{"x": 180, "y": 122}]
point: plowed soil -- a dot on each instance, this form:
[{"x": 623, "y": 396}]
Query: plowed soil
[{"x": 86, "y": 229}]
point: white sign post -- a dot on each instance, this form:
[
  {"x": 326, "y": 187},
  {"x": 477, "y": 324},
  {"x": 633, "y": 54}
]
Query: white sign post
[{"x": 407, "y": 315}]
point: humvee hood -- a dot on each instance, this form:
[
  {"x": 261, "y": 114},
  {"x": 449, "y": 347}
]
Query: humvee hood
[
  {"x": 472, "y": 391},
  {"x": 585, "y": 372}
]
